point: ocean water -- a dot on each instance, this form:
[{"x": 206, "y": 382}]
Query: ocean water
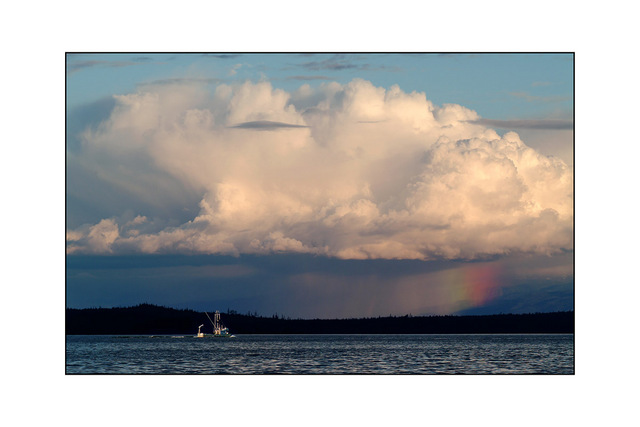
[{"x": 321, "y": 354}]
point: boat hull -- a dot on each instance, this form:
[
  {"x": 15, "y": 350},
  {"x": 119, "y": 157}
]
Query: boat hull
[{"x": 216, "y": 336}]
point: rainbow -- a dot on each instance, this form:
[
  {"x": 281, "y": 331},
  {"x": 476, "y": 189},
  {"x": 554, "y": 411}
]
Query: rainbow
[{"x": 472, "y": 285}]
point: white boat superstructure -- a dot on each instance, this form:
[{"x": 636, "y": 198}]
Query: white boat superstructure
[{"x": 219, "y": 330}]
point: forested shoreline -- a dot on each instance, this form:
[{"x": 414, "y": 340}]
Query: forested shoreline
[{"x": 153, "y": 319}]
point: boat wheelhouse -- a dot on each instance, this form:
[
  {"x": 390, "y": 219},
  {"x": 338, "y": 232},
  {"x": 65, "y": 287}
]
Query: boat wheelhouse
[{"x": 219, "y": 330}]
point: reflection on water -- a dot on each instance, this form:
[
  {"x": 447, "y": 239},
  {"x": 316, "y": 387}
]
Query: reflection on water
[{"x": 322, "y": 354}]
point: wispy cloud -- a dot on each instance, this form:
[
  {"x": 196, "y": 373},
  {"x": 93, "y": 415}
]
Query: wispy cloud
[
  {"x": 142, "y": 59},
  {"x": 347, "y": 62},
  {"x": 179, "y": 81},
  {"x": 537, "y": 98},
  {"x": 337, "y": 62},
  {"x": 266, "y": 125},
  {"x": 72, "y": 67},
  {"x": 308, "y": 78},
  {"x": 234, "y": 70},
  {"x": 525, "y": 124},
  {"x": 222, "y": 55}
]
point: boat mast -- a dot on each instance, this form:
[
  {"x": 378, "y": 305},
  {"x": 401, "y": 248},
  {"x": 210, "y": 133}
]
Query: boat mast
[
  {"x": 217, "y": 326},
  {"x": 214, "y": 325},
  {"x": 216, "y": 320}
]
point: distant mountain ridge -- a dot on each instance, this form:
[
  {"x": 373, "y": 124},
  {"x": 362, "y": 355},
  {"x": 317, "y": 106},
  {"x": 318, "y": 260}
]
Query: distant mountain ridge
[{"x": 146, "y": 319}]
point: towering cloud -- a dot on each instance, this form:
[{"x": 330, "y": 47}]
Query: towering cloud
[{"x": 351, "y": 171}]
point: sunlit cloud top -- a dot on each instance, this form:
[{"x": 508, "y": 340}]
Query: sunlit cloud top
[{"x": 348, "y": 170}]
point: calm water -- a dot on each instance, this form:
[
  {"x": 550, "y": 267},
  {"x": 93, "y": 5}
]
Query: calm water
[{"x": 322, "y": 354}]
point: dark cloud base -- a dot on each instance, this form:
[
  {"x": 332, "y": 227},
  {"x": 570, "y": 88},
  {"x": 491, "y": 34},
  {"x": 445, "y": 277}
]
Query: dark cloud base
[
  {"x": 266, "y": 125},
  {"x": 285, "y": 264},
  {"x": 280, "y": 284},
  {"x": 526, "y": 124}
]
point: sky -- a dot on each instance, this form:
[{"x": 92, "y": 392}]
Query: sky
[{"x": 320, "y": 185}]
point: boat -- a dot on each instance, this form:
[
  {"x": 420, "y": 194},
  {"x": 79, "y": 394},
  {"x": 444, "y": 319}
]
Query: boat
[{"x": 219, "y": 330}]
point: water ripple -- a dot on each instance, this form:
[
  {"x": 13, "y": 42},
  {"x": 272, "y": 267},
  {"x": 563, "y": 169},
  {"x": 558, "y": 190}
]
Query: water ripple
[{"x": 322, "y": 354}]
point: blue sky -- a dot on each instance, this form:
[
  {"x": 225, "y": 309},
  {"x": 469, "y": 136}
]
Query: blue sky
[
  {"x": 322, "y": 185},
  {"x": 497, "y": 86}
]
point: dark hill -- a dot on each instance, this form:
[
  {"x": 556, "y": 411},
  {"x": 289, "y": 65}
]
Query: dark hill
[{"x": 147, "y": 319}]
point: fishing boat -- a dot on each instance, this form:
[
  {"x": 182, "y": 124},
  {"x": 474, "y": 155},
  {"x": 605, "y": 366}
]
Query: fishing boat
[{"x": 219, "y": 330}]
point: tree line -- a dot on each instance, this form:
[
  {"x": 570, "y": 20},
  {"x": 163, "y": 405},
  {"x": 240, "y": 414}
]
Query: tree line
[{"x": 151, "y": 319}]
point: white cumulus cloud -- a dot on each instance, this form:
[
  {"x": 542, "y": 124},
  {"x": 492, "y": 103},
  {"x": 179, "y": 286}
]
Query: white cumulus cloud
[{"x": 350, "y": 171}]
